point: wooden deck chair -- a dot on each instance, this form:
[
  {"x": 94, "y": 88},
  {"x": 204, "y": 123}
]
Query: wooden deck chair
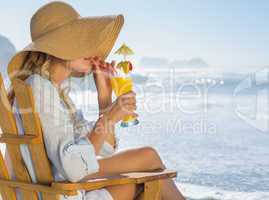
[{"x": 48, "y": 188}]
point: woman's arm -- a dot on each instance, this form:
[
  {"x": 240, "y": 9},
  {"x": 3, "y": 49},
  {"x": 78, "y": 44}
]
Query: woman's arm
[
  {"x": 104, "y": 91},
  {"x": 110, "y": 113},
  {"x": 100, "y": 132},
  {"x": 125, "y": 105}
]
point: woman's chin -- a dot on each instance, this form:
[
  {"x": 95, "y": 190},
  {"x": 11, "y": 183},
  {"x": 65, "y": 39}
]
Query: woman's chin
[
  {"x": 82, "y": 71},
  {"x": 78, "y": 73}
]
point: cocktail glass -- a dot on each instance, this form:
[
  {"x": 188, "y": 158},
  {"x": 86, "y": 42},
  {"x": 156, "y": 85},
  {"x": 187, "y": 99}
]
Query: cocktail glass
[{"x": 122, "y": 83}]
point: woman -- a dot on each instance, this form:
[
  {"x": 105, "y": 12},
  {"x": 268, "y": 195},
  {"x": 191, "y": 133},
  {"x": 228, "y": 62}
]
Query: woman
[{"x": 63, "y": 45}]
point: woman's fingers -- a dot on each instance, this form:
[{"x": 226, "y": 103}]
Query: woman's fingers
[
  {"x": 128, "y": 98},
  {"x": 130, "y": 110},
  {"x": 128, "y": 94},
  {"x": 129, "y": 101},
  {"x": 129, "y": 106},
  {"x": 99, "y": 64},
  {"x": 134, "y": 115},
  {"x": 96, "y": 61}
]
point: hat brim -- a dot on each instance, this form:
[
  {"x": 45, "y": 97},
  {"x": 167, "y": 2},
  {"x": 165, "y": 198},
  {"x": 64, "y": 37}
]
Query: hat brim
[{"x": 83, "y": 37}]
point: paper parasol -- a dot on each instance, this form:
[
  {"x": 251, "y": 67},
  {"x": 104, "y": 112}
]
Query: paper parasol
[{"x": 124, "y": 50}]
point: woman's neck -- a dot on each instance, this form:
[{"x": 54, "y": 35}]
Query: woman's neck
[{"x": 59, "y": 72}]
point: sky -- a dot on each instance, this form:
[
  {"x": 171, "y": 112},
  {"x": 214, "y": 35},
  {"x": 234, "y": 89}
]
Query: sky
[{"x": 223, "y": 33}]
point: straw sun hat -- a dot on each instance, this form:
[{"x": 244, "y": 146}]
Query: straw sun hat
[{"x": 57, "y": 29}]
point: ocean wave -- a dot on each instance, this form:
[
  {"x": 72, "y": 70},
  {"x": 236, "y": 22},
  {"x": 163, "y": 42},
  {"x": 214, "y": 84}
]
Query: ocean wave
[{"x": 196, "y": 192}]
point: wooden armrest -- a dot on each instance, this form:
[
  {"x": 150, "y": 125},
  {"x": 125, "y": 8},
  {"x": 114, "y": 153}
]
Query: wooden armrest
[
  {"x": 36, "y": 187},
  {"x": 19, "y": 139},
  {"x": 70, "y": 189},
  {"x": 125, "y": 178}
]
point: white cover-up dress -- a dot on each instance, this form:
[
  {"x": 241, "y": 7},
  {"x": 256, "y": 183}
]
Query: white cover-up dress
[{"x": 68, "y": 148}]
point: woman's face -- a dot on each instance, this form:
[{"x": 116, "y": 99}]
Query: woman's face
[{"x": 81, "y": 65}]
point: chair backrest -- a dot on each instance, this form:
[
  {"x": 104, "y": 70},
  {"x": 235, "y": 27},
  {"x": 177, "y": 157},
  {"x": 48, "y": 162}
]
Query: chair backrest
[{"x": 33, "y": 139}]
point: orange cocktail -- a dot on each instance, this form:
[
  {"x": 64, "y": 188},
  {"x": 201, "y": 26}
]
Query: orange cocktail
[
  {"x": 121, "y": 81},
  {"x": 122, "y": 85}
]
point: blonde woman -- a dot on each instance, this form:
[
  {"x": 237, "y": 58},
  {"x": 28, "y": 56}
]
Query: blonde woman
[{"x": 63, "y": 45}]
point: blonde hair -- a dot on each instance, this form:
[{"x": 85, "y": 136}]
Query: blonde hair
[{"x": 38, "y": 63}]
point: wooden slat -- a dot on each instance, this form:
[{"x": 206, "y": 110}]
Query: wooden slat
[
  {"x": 36, "y": 187},
  {"x": 7, "y": 193},
  {"x": 19, "y": 139},
  {"x": 152, "y": 190},
  {"x": 32, "y": 126},
  {"x": 8, "y": 125},
  {"x": 125, "y": 178}
]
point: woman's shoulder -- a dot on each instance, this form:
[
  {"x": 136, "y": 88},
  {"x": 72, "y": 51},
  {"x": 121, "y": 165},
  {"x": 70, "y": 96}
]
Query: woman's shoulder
[
  {"x": 44, "y": 92},
  {"x": 40, "y": 84},
  {"x": 37, "y": 80}
]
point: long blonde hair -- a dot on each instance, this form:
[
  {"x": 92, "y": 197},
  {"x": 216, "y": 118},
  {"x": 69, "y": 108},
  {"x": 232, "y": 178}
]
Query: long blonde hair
[{"x": 38, "y": 63}]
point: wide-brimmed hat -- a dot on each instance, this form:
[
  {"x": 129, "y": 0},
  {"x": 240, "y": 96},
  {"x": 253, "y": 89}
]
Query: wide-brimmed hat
[{"x": 57, "y": 29}]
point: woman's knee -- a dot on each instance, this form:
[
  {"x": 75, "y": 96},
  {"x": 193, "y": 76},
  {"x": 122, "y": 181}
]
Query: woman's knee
[{"x": 151, "y": 155}]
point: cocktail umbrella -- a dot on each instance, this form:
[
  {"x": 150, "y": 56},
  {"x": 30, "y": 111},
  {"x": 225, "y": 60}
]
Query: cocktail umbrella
[
  {"x": 124, "y": 50},
  {"x": 125, "y": 65}
]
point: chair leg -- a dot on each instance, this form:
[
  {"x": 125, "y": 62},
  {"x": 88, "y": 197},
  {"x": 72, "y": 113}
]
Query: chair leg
[{"x": 152, "y": 190}]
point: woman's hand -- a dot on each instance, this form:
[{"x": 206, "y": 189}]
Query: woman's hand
[
  {"x": 102, "y": 69},
  {"x": 124, "y": 106}
]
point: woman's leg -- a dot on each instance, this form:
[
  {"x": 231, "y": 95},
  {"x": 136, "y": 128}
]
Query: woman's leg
[
  {"x": 170, "y": 190},
  {"x": 134, "y": 160},
  {"x": 122, "y": 192},
  {"x": 125, "y": 192}
]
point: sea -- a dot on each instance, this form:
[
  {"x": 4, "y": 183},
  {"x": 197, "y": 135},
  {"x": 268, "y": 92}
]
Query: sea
[{"x": 212, "y": 128}]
